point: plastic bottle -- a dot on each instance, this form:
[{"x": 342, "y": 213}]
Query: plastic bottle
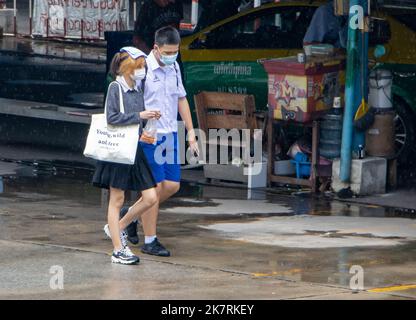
[
  {"x": 149, "y": 134},
  {"x": 336, "y": 107}
]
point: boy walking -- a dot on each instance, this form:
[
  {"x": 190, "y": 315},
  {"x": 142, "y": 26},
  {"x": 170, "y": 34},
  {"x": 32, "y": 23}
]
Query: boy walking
[{"x": 164, "y": 91}]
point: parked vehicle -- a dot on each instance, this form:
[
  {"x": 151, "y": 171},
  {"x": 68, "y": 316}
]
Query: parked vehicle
[{"x": 223, "y": 56}]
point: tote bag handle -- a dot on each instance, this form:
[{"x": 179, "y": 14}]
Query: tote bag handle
[{"x": 121, "y": 103}]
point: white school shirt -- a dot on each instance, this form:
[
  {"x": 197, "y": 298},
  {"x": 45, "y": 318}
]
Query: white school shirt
[{"x": 163, "y": 88}]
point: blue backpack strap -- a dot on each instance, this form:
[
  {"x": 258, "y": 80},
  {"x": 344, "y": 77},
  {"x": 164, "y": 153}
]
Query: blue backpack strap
[{"x": 177, "y": 79}]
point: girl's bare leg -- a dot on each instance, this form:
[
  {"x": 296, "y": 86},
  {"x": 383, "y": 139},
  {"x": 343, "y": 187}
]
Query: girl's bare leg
[{"x": 114, "y": 207}]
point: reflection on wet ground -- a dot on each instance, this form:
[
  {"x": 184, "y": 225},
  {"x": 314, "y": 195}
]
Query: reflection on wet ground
[
  {"x": 294, "y": 237},
  {"x": 57, "y": 178}
]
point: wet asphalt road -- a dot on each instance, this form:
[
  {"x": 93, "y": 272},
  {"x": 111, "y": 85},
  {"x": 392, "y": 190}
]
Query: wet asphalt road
[{"x": 226, "y": 243}]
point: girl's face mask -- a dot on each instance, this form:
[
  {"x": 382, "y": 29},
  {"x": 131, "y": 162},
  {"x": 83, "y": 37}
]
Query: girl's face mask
[{"x": 139, "y": 75}]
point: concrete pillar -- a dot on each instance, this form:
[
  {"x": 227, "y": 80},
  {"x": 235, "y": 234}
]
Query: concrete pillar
[
  {"x": 368, "y": 176},
  {"x": 194, "y": 14}
]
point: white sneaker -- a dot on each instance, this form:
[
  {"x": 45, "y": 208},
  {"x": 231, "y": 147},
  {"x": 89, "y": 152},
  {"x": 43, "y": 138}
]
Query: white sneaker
[
  {"x": 123, "y": 235},
  {"x": 124, "y": 256},
  {"x": 129, "y": 252}
]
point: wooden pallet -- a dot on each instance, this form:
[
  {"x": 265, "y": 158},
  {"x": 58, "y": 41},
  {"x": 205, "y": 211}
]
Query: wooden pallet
[{"x": 217, "y": 110}]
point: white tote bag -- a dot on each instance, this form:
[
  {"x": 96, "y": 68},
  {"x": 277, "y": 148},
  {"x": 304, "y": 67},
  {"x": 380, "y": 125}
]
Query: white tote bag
[{"x": 110, "y": 143}]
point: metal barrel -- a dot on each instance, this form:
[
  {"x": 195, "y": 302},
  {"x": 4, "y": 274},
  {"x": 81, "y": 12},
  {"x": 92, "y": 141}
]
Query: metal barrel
[{"x": 330, "y": 136}]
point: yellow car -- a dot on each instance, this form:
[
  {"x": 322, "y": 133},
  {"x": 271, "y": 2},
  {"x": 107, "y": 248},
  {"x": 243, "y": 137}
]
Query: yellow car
[{"x": 223, "y": 56}]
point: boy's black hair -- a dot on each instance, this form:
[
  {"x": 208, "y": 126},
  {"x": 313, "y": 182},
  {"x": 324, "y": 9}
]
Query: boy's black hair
[{"x": 167, "y": 35}]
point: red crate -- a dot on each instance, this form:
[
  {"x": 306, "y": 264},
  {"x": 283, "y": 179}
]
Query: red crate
[{"x": 302, "y": 91}]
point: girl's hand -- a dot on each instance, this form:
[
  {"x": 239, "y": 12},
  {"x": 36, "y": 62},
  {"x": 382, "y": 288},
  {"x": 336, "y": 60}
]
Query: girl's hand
[{"x": 149, "y": 114}]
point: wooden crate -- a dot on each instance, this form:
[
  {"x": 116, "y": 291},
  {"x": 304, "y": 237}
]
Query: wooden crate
[
  {"x": 217, "y": 110},
  {"x": 228, "y": 103}
]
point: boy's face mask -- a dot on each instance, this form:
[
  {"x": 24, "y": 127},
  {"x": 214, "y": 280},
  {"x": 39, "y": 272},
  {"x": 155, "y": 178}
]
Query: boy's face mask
[{"x": 168, "y": 58}]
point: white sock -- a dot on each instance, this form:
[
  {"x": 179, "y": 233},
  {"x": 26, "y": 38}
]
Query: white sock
[{"x": 149, "y": 239}]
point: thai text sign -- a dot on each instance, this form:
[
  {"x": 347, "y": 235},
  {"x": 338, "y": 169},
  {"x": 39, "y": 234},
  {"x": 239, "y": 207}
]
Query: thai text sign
[{"x": 87, "y": 19}]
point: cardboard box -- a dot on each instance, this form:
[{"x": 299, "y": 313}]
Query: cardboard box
[
  {"x": 342, "y": 7},
  {"x": 303, "y": 91}
]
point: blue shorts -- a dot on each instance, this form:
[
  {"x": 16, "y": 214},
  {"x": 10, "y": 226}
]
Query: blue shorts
[{"x": 163, "y": 158}]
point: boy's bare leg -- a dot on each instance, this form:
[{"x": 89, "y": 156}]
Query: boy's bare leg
[
  {"x": 147, "y": 201},
  {"x": 165, "y": 189}
]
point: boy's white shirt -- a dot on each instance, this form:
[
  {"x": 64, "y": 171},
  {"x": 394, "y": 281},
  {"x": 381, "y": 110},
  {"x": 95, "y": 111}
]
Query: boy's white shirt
[{"x": 163, "y": 89}]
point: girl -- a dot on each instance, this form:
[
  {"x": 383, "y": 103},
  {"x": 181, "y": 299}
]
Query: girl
[{"x": 129, "y": 66}]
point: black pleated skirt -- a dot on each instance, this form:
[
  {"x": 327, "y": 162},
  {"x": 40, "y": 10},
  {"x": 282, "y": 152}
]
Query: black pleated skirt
[{"x": 136, "y": 177}]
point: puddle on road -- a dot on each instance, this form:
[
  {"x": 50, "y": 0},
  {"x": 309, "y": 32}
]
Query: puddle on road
[
  {"x": 319, "y": 232},
  {"x": 295, "y": 237},
  {"x": 205, "y": 200},
  {"x": 72, "y": 180},
  {"x": 230, "y": 207},
  {"x": 39, "y": 179}
]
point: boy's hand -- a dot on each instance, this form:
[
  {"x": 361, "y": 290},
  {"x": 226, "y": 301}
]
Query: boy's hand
[{"x": 194, "y": 147}]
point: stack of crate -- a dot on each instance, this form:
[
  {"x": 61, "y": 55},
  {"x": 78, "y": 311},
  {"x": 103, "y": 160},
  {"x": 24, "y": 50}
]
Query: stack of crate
[{"x": 216, "y": 110}]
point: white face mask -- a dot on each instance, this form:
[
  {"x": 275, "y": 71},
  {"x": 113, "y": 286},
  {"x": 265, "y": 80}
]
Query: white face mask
[{"x": 138, "y": 74}]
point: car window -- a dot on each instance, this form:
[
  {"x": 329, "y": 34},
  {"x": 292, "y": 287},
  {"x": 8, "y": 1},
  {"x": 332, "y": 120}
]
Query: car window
[
  {"x": 409, "y": 20},
  {"x": 272, "y": 28}
]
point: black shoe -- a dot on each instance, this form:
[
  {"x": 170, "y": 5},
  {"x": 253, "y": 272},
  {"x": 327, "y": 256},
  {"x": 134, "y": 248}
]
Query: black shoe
[
  {"x": 131, "y": 229},
  {"x": 155, "y": 248}
]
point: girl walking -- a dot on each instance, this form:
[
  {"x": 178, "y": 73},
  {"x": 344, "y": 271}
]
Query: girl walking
[{"x": 129, "y": 67}]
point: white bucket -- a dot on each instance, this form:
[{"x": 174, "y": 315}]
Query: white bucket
[{"x": 380, "y": 89}]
